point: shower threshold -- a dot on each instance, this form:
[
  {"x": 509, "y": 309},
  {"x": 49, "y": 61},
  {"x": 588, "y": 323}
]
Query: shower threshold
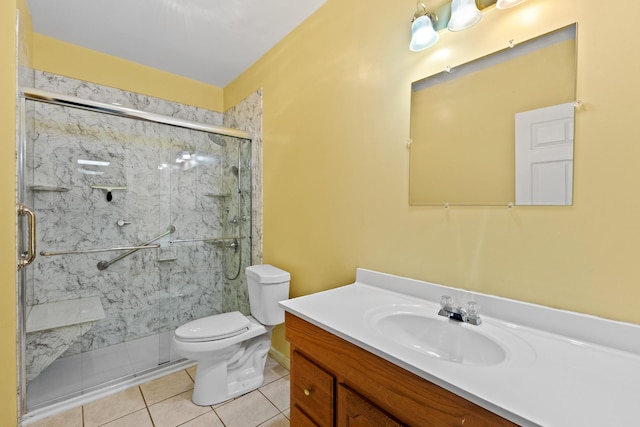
[{"x": 82, "y": 378}]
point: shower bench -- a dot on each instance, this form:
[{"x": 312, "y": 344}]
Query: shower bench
[{"x": 55, "y": 326}]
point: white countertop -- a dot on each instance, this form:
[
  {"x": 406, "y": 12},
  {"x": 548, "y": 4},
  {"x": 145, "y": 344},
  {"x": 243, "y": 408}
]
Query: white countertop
[{"x": 561, "y": 368}]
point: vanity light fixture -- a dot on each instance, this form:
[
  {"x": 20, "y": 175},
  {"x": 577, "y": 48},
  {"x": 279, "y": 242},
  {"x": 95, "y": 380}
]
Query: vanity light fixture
[
  {"x": 456, "y": 15},
  {"x": 464, "y": 14},
  {"x": 422, "y": 33},
  {"x": 506, "y": 4}
]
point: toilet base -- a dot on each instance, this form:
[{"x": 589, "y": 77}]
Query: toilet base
[{"x": 240, "y": 372}]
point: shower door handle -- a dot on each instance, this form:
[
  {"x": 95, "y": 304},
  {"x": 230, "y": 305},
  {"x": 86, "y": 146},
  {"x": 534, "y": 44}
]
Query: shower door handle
[{"x": 26, "y": 259}]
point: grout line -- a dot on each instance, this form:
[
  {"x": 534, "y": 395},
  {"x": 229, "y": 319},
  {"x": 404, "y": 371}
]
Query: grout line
[
  {"x": 269, "y": 400},
  {"x": 146, "y": 406},
  {"x": 190, "y": 376},
  {"x": 144, "y": 399},
  {"x": 220, "y": 418},
  {"x": 275, "y": 416},
  {"x": 153, "y": 423}
]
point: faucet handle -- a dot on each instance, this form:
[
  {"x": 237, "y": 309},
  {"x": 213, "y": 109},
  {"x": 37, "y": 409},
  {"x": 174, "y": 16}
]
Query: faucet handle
[
  {"x": 446, "y": 301},
  {"x": 473, "y": 309}
]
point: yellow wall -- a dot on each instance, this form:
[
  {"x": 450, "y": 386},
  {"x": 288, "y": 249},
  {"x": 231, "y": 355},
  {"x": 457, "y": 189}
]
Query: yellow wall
[
  {"x": 336, "y": 117},
  {"x": 8, "y": 385},
  {"x": 74, "y": 61}
]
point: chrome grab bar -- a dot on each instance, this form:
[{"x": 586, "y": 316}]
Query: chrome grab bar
[
  {"x": 89, "y": 251},
  {"x": 103, "y": 265},
  {"x": 31, "y": 252},
  {"x": 206, "y": 240}
]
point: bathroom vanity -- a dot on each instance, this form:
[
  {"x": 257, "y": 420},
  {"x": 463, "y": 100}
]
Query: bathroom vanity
[
  {"x": 332, "y": 379},
  {"x": 376, "y": 353}
]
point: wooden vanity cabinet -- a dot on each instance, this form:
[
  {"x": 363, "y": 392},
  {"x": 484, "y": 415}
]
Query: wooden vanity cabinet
[
  {"x": 313, "y": 390},
  {"x": 354, "y": 410},
  {"x": 336, "y": 383}
]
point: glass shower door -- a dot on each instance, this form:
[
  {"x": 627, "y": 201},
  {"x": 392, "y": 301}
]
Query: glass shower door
[
  {"x": 142, "y": 227},
  {"x": 94, "y": 182},
  {"x": 211, "y": 209}
]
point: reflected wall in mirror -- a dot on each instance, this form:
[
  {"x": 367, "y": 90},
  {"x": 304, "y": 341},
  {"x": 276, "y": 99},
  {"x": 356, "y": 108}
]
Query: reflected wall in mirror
[{"x": 463, "y": 127}]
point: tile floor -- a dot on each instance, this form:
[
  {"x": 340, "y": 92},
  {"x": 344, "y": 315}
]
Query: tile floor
[{"x": 166, "y": 402}]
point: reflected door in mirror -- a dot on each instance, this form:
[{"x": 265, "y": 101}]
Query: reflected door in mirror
[{"x": 544, "y": 156}]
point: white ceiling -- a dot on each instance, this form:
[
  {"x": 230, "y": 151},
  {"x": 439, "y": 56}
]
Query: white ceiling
[{"x": 212, "y": 41}]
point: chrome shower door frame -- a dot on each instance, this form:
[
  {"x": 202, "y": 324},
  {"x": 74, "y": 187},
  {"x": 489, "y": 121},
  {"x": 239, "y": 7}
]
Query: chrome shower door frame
[{"x": 33, "y": 94}]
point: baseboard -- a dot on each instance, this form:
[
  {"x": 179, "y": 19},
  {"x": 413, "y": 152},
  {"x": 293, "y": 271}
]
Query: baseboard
[{"x": 279, "y": 357}]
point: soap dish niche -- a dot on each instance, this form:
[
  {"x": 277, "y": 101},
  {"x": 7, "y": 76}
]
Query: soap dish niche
[
  {"x": 109, "y": 189},
  {"x": 167, "y": 253}
]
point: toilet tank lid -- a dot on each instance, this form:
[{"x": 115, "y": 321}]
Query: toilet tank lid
[{"x": 267, "y": 274}]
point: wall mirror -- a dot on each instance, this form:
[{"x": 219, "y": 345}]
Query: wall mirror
[{"x": 499, "y": 129}]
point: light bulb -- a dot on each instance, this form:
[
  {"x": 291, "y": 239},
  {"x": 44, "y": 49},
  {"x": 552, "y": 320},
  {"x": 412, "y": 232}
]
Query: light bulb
[
  {"x": 464, "y": 14},
  {"x": 422, "y": 34}
]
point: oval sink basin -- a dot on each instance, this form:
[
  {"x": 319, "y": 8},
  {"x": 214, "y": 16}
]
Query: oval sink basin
[{"x": 415, "y": 328}]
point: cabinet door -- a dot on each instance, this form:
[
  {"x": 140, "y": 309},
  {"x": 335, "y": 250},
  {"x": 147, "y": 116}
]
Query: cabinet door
[
  {"x": 312, "y": 390},
  {"x": 356, "y": 411},
  {"x": 300, "y": 419}
]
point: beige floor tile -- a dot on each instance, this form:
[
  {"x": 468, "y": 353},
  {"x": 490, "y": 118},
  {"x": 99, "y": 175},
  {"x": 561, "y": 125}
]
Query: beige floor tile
[
  {"x": 169, "y": 402},
  {"x": 113, "y": 407},
  {"x": 70, "y": 418},
  {"x": 273, "y": 371},
  {"x": 210, "y": 419},
  {"x": 278, "y": 421},
  {"x": 192, "y": 372},
  {"x": 166, "y": 387},
  {"x": 278, "y": 393},
  {"x": 249, "y": 410},
  {"x": 217, "y": 405},
  {"x": 139, "y": 418},
  {"x": 287, "y": 413},
  {"x": 176, "y": 410}
]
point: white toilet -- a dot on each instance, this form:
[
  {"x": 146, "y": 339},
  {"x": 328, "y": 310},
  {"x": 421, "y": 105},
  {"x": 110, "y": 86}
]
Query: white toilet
[{"x": 230, "y": 348}]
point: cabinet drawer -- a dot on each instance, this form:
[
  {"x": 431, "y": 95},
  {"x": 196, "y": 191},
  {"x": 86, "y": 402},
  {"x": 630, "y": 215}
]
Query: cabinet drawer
[
  {"x": 300, "y": 419},
  {"x": 312, "y": 390}
]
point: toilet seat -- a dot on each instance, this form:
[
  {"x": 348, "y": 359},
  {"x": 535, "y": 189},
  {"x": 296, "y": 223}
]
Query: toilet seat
[{"x": 213, "y": 328}]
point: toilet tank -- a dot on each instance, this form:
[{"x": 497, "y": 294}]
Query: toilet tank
[{"x": 267, "y": 286}]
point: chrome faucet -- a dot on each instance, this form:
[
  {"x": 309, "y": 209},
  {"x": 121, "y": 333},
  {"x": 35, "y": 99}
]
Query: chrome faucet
[{"x": 470, "y": 315}]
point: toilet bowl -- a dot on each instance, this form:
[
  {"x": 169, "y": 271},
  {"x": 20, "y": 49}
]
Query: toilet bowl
[{"x": 231, "y": 348}]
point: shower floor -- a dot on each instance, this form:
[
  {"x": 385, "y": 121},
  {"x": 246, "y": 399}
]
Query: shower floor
[{"x": 78, "y": 374}]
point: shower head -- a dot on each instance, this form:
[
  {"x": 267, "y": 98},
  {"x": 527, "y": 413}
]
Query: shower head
[{"x": 216, "y": 139}]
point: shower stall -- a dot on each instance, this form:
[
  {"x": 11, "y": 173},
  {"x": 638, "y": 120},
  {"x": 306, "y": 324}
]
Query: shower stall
[{"x": 133, "y": 224}]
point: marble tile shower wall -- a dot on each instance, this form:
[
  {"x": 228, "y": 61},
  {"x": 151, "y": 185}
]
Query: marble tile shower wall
[
  {"x": 141, "y": 294},
  {"x": 247, "y": 116}
]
